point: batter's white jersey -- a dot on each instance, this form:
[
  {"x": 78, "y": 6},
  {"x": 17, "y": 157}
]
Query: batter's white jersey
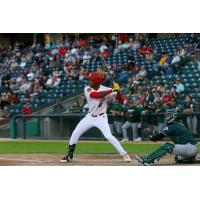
[{"x": 98, "y": 106}]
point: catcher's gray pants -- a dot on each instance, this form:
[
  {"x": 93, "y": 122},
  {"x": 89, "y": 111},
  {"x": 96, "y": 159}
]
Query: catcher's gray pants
[
  {"x": 127, "y": 125},
  {"x": 184, "y": 151},
  {"x": 100, "y": 122},
  {"x": 192, "y": 123},
  {"x": 118, "y": 126}
]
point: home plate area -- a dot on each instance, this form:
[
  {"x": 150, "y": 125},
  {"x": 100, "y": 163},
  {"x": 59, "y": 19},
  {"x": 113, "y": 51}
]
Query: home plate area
[{"x": 79, "y": 160}]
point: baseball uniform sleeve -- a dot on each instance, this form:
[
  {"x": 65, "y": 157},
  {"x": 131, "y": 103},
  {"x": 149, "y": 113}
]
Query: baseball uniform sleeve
[
  {"x": 87, "y": 91},
  {"x": 168, "y": 131}
]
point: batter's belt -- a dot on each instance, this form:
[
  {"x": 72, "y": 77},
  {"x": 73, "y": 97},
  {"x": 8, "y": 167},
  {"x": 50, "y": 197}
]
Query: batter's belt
[{"x": 96, "y": 115}]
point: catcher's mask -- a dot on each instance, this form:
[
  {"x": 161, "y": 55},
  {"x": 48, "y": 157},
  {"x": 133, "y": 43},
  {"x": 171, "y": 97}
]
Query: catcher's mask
[{"x": 174, "y": 115}]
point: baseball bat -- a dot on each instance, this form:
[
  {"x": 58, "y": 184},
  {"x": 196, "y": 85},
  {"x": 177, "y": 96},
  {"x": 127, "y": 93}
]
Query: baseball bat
[{"x": 106, "y": 67}]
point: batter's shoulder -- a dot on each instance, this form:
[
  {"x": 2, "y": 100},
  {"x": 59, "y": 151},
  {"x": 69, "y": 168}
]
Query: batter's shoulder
[{"x": 88, "y": 89}]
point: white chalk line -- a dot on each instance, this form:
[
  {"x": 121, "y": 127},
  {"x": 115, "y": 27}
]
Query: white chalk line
[{"x": 24, "y": 160}]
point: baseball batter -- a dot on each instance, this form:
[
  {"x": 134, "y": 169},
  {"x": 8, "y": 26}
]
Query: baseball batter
[{"x": 97, "y": 96}]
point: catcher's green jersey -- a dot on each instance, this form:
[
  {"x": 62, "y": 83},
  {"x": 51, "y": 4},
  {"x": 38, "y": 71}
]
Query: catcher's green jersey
[{"x": 178, "y": 133}]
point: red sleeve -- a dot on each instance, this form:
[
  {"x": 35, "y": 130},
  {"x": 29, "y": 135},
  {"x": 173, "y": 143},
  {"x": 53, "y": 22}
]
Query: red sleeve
[{"x": 96, "y": 95}]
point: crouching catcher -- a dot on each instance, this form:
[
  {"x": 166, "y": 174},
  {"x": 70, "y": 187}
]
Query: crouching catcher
[{"x": 183, "y": 147}]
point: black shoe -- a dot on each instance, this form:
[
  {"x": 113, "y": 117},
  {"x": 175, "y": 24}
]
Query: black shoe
[
  {"x": 67, "y": 158},
  {"x": 185, "y": 161}
]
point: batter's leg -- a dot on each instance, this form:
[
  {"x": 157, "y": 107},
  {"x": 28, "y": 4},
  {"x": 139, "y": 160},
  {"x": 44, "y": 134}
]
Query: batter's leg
[
  {"x": 82, "y": 127},
  {"x": 103, "y": 126}
]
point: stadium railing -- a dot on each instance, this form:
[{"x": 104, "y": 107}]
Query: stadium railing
[{"x": 61, "y": 126}]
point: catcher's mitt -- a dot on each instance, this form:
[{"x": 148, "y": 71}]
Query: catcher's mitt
[
  {"x": 148, "y": 131},
  {"x": 152, "y": 134}
]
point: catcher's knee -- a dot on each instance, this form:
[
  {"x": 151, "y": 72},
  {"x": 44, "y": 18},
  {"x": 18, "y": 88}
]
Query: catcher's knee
[{"x": 168, "y": 147}]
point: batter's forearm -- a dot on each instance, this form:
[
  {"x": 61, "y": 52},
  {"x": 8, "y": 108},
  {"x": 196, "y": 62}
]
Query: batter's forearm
[{"x": 98, "y": 95}]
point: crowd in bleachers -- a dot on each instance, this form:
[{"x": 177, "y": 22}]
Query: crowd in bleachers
[{"x": 41, "y": 74}]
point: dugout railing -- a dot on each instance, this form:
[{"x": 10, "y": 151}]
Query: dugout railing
[{"x": 60, "y": 126}]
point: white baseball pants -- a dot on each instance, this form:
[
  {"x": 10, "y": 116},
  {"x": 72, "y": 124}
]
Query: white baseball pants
[{"x": 100, "y": 122}]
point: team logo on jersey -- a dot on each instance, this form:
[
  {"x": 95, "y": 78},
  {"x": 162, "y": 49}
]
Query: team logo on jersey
[
  {"x": 89, "y": 89},
  {"x": 166, "y": 129}
]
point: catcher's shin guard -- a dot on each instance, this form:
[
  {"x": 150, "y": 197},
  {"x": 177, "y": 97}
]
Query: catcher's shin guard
[
  {"x": 69, "y": 156},
  {"x": 156, "y": 155}
]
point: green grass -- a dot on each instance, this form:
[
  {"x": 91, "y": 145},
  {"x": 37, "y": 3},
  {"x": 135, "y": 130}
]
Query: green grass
[{"x": 52, "y": 147}]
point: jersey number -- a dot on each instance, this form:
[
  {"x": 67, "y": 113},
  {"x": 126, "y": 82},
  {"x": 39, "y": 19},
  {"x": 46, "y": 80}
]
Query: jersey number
[{"x": 100, "y": 104}]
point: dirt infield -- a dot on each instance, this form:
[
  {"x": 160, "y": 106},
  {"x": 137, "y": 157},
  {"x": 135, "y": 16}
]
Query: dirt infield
[{"x": 79, "y": 160}]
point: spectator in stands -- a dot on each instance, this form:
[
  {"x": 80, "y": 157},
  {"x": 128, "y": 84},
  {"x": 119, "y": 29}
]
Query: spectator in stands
[
  {"x": 163, "y": 59},
  {"x": 147, "y": 96},
  {"x": 4, "y": 99},
  {"x": 181, "y": 51},
  {"x": 142, "y": 74},
  {"x": 56, "y": 80},
  {"x": 123, "y": 74},
  {"x": 168, "y": 71},
  {"x": 49, "y": 82},
  {"x": 147, "y": 51},
  {"x": 179, "y": 86},
  {"x": 135, "y": 89},
  {"x": 86, "y": 58},
  {"x": 26, "y": 85},
  {"x": 27, "y": 110},
  {"x": 136, "y": 44},
  {"x": 167, "y": 99},
  {"x": 12, "y": 98},
  {"x": 175, "y": 59},
  {"x": 191, "y": 119},
  {"x": 161, "y": 88}
]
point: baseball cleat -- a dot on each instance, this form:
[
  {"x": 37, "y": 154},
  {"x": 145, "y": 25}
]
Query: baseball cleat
[
  {"x": 127, "y": 158},
  {"x": 143, "y": 160},
  {"x": 139, "y": 139},
  {"x": 66, "y": 159},
  {"x": 124, "y": 140},
  {"x": 184, "y": 161}
]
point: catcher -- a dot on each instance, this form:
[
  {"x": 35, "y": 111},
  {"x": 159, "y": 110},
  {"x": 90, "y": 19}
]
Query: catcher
[{"x": 183, "y": 147}]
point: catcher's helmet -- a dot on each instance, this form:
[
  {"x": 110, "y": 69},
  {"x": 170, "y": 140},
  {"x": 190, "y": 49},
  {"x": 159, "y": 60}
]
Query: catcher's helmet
[
  {"x": 96, "y": 77},
  {"x": 174, "y": 116}
]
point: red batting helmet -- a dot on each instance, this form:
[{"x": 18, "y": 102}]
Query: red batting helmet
[{"x": 96, "y": 77}]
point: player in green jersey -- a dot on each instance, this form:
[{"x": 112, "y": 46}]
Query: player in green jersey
[{"x": 183, "y": 147}]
